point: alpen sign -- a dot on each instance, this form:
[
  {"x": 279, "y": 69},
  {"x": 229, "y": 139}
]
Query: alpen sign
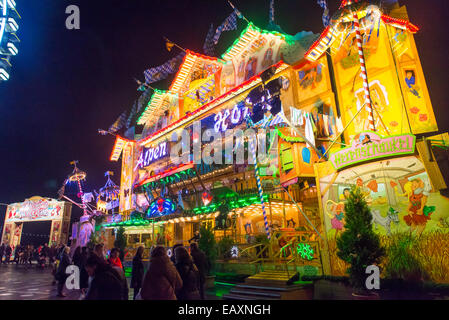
[
  {"x": 369, "y": 146},
  {"x": 149, "y": 155}
]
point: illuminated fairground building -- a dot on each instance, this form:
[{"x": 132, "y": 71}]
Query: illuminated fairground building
[{"x": 317, "y": 88}]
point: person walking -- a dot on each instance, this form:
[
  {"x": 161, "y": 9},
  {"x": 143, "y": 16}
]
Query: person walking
[
  {"x": 162, "y": 280},
  {"x": 137, "y": 272},
  {"x": 2, "y": 252},
  {"x": 106, "y": 282},
  {"x": 189, "y": 275},
  {"x": 99, "y": 250},
  {"x": 61, "y": 276},
  {"x": 8, "y": 252},
  {"x": 172, "y": 258},
  {"x": 201, "y": 262}
]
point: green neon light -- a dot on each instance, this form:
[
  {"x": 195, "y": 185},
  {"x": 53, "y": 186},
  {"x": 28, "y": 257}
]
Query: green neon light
[
  {"x": 305, "y": 251},
  {"x": 288, "y": 139},
  {"x": 156, "y": 92}
]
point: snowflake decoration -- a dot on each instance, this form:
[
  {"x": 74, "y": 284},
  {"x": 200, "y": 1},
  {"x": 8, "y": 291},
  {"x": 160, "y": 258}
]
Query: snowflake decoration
[
  {"x": 305, "y": 250},
  {"x": 234, "y": 252}
]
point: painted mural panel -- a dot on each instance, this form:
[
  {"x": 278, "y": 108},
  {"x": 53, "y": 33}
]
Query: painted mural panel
[
  {"x": 390, "y": 86},
  {"x": 401, "y": 199},
  {"x": 313, "y": 79},
  {"x": 260, "y": 55},
  {"x": 416, "y": 95}
]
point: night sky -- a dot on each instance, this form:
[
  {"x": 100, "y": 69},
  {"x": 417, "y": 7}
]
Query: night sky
[{"x": 65, "y": 84}]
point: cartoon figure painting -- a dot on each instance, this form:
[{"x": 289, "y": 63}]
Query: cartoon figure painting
[
  {"x": 336, "y": 212},
  {"x": 419, "y": 212},
  {"x": 410, "y": 80},
  {"x": 250, "y": 70}
]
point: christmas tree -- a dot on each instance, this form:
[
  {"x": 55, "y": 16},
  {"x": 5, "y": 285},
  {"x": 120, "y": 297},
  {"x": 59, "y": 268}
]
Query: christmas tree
[{"x": 358, "y": 245}]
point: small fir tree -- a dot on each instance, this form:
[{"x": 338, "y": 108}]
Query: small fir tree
[
  {"x": 358, "y": 245},
  {"x": 120, "y": 241},
  {"x": 208, "y": 245}
]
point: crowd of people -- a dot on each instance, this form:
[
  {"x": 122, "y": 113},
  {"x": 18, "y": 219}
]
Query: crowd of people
[
  {"x": 102, "y": 277},
  {"x": 181, "y": 277},
  {"x": 25, "y": 254}
]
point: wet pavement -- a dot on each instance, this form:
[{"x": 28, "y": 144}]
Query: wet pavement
[{"x": 19, "y": 282}]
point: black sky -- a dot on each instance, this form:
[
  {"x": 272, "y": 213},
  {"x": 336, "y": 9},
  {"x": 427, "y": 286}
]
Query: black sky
[{"x": 65, "y": 84}]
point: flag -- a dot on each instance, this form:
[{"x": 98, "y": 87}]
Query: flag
[
  {"x": 230, "y": 23},
  {"x": 326, "y": 17},
  {"x": 131, "y": 115},
  {"x": 62, "y": 189},
  {"x": 209, "y": 46},
  {"x": 169, "y": 44},
  {"x": 119, "y": 123},
  {"x": 161, "y": 72},
  {"x": 271, "y": 19}
]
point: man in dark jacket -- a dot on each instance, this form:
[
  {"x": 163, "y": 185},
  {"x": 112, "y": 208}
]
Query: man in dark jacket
[
  {"x": 106, "y": 284},
  {"x": 202, "y": 263}
]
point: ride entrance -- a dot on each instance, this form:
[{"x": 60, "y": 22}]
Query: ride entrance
[
  {"x": 35, "y": 233},
  {"x": 36, "y": 210}
]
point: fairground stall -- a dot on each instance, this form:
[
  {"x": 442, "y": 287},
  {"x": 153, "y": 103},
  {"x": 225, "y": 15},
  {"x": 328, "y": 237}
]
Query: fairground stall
[
  {"x": 347, "y": 107},
  {"x": 37, "y": 209}
]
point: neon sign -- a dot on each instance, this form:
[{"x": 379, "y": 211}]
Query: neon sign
[
  {"x": 369, "y": 146},
  {"x": 161, "y": 207},
  {"x": 230, "y": 118},
  {"x": 150, "y": 155}
]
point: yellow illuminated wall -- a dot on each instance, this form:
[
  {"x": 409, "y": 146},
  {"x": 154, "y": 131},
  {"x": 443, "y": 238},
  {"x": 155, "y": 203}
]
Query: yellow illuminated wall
[{"x": 398, "y": 108}]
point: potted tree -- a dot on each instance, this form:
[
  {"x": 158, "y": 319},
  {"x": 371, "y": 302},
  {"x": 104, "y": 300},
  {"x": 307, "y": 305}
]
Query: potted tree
[
  {"x": 224, "y": 248},
  {"x": 208, "y": 245},
  {"x": 358, "y": 245},
  {"x": 120, "y": 242}
]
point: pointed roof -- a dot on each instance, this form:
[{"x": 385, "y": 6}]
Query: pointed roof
[
  {"x": 154, "y": 107},
  {"x": 344, "y": 14},
  {"x": 118, "y": 147},
  {"x": 191, "y": 62},
  {"x": 247, "y": 37}
]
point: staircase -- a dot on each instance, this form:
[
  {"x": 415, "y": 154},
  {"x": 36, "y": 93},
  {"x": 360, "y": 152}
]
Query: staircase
[{"x": 269, "y": 285}]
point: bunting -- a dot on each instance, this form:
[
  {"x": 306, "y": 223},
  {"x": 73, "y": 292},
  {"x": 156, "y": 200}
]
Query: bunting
[
  {"x": 132, "y": 115},
  {"x": 229, "y": 24},
  {"x": 326, "y": 16},
  {"x": 209, "y": 46},
  {"x": 161, "y": 72},
  {"x": 271, "y": 19},
  {"x": 119, "y": 123}
]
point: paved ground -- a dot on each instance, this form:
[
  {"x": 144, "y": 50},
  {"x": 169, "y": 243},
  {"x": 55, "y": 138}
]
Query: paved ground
[{"x": 18, "y": 282}]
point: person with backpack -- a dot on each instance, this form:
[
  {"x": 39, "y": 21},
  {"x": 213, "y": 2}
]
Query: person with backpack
[{"x": 189, "y": 275}]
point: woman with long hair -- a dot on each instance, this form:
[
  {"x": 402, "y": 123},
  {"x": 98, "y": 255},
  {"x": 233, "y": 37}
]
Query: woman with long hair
[
  {"x": 137, "y": 272},
  {"x": 161, "y": 281}
]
